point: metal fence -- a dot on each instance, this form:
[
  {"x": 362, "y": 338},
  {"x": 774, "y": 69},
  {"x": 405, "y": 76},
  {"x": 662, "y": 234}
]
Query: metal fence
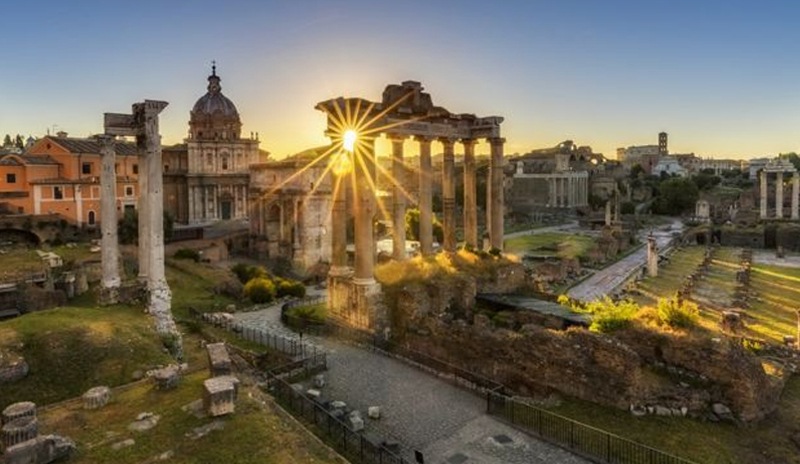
[
  {"x": 291, "y": 346},
  {"x": 580, "y": 438},
  {"x": 352, "y": 445}
]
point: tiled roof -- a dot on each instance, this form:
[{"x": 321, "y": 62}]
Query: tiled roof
[
  {"x": 38, "y": 159},
  {"x": 9, "y": 161},
  {"x": 89, "y": 145}
]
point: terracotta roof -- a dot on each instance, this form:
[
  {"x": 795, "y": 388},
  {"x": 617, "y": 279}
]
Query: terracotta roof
[
  {"x": 88, "y": 145},
  {"x": 38, "y": 159}
]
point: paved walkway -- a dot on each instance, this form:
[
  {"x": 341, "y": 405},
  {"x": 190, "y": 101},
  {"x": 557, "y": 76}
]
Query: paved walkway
[
  {"x": 606, "y": 281},
  {"x": 448, "y": 424}
]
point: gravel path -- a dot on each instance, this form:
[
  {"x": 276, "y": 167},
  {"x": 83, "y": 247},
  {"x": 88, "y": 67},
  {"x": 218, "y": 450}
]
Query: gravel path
[{"x": 446, "y": 423}]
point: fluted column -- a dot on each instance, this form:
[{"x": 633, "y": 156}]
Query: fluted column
[
  {"x": 795, "y": 196},
  {"x": 496, "y": 187},
  {"x": 763, "y": 194},
  {"x": 779, "y": 196},
  {"x": 142, "y": 207},
  {"x": 425, "y": 199},
  {"x": 364, "y": 207},
  {"x": 399, "y": 200},
  {"x": 448, "y": 195},
  {"x": 470, "y": 195},
  {"x": 339, "y": 225},
  {"x": 108, "y": 214},
  {"x": 155, "y": 193}
]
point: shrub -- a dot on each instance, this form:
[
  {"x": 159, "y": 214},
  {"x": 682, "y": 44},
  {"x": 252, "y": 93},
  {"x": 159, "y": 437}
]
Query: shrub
[
  {"x": 187, "y": 253},
  {"x": 607, "y": 315},
  {"x": 677, "y": 313},
  {"x": 260, "y": 290},
  {"x": 290, "y": 288},
  {"x": 246, "y": 272}
]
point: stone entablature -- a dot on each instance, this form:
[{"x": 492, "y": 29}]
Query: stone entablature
[{"x": 779, "y": 167}]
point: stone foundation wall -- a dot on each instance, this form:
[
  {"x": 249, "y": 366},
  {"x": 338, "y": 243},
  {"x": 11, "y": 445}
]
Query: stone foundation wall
[{"x": 636, "y": 368}]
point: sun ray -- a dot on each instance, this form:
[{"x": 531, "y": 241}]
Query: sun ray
[
  {"x": 364, "y": 115},
  {"x": 318, "y": 182},
  {"x": 370, "y": 182},
  {"x": 386, "y": 127},
  {"x": 347, "y": 115},
  {"x": 335, "y": 193},
  {"x": 394, "y": 181},
  {"x": 301, "y": 171},
  {"x": 386, "y": 110}
]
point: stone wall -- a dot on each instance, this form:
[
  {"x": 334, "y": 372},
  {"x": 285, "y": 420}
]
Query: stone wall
[
  {"x": 747, "y": 238},
  {"x": 636, "y": 368}
]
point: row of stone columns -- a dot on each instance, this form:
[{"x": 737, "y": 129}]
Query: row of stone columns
[
  {"x": 365, "y": 203},
  {"x": 795, "y": 208},
  {"x": 568, "y": 191}
]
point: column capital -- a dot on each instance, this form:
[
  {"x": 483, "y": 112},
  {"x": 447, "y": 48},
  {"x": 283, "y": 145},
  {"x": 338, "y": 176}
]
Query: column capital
[
  {"x": 496, "y": 140},
  {"x": 468, "y": 142},
  {"x": 447, "y": 141},
  {"x": 424, "y": 138},
  {"x": 106, "y": 142}
]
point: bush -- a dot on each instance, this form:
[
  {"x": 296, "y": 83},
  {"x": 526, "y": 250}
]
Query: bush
[
  {"x": 187, "y": 253},
  {"x": 246, "y": 272},
  {"x": 290, "y": 288},
  {"x": 677, "y": 313},
  {"x": 607, "y": 315},
  {"x": 260, "y": 290}
]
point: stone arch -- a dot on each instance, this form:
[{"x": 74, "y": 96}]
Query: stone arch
[
  {"x": 91, "y": 218},
  {"x": 20, "y": 236}
]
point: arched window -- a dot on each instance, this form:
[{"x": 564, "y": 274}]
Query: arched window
[{"x": 92, "y": 218}]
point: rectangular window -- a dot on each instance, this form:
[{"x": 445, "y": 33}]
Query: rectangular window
[
  {"x": 128, "y": 191},
  {"x": 86, "y": 168},
  {"x": 136, "y": 169},
  {"x": 11, "y": 178},
  {"x": 58, "y": 193}
]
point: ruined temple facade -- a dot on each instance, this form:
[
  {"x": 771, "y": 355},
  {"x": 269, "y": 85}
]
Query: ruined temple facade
[
  {"x": 207, "y": 178},
  {"x": 557, "y": 177},
  {"x": 290, "y": 210}
]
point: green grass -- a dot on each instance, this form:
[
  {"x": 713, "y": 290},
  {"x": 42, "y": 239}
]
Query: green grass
[
  {"x": 70, "y": 350},
  {"x": 670, "y": 275},
  {"x": 192, "y": 287},
  {"x": 256, "y": 432},
  {"x": 550, "y": 244},
  {"x": 19, "y": 263},
  {"x": 773, "y": 313},
  {"x": 702, "y": 442}
]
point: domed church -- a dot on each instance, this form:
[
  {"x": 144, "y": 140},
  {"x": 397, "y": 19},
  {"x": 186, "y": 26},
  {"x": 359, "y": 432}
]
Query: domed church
[{"x": 207, "y": 179}]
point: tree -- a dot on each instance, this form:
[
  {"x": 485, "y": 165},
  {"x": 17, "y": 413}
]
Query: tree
[
  {"x": 19, "y": 142},
  {"x": 412, "y": 226},
  {"x": 7, "y": 141},
  {"x": 706, "y": 180},
  {"x": 676, "y": 195},
  {"x": 128, "y": 226},
  {"x": 793, "y": 157}
]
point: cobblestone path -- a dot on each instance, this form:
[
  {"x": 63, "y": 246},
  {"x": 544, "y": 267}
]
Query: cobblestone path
[{"x": 446, "y": 423}]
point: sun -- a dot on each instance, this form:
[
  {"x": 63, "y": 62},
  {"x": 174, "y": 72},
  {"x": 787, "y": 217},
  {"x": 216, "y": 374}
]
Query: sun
[{"x": 349, "y": 140}]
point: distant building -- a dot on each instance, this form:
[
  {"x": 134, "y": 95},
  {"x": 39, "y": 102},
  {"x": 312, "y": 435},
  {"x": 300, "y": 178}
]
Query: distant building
[
  {"x": 669, "y": 165},
  {"x": 646, "y": 156},
  {"x": 60, "y": 175}
]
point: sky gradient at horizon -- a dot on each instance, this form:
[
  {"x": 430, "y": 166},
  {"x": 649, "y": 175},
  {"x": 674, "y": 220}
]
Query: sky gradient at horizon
[{"x": 721, "y": 77}]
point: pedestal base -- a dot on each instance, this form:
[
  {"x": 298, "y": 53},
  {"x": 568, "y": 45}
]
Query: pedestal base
[{"x": 356, "y": 302}]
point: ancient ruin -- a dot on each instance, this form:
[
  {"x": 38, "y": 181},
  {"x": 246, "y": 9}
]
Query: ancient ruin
[
  {"x": 142, "y": 123},
  {"x": 778, "y": 167},
  {"x": 405, "y": 111}
]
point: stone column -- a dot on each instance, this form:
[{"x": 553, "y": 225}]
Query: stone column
[
  {"x": 142, "y": 207},
  {"x": 425, "y": 198},
  {"x": 779, "y": 196},
  {"x": 795, "y": 196},
  {"x": 339, "y": 225},
  {"x": 160, "y": 297},
  {"x": 448, "y": 195},
  {"x": 364, "y": 207},
  {"x": 608, "y": 212},
  {"x": 551, "y": 184},
  {"x": 399, "y": 200},
  {"x": 470, "y": 195},
  {"x": 652, "y": 257},
  {"x": 190, "y": 215},
  {"x": 108, "y": 220},
  {"x": 617, "y": 207},
  {"x": 571, "y": 195},
  {"x": 763, "y": 194},
  {"x": 496, "y": 187}
]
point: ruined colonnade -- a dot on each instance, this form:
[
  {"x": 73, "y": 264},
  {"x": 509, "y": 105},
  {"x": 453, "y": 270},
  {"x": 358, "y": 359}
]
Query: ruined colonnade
[{"x": 779, "y": 168}]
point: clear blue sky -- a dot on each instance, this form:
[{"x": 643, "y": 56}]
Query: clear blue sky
[{"x": 721, "y": 77}]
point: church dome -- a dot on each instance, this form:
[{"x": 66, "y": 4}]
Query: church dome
[{"x": 214, "y": 116}]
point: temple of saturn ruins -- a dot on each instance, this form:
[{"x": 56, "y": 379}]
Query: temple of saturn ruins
[{"x": 404, "y": 112}]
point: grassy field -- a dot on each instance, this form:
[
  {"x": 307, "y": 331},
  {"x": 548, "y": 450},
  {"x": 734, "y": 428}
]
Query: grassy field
[
  {"x": 256, "y": 432},
  {"x": 670, "y": 275},
  {"x": 773, "y": 313},
  {"x": 768, "y": 442},
  {"x": 550, "y": 244},
  {"x": 192, "y": 286}
]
